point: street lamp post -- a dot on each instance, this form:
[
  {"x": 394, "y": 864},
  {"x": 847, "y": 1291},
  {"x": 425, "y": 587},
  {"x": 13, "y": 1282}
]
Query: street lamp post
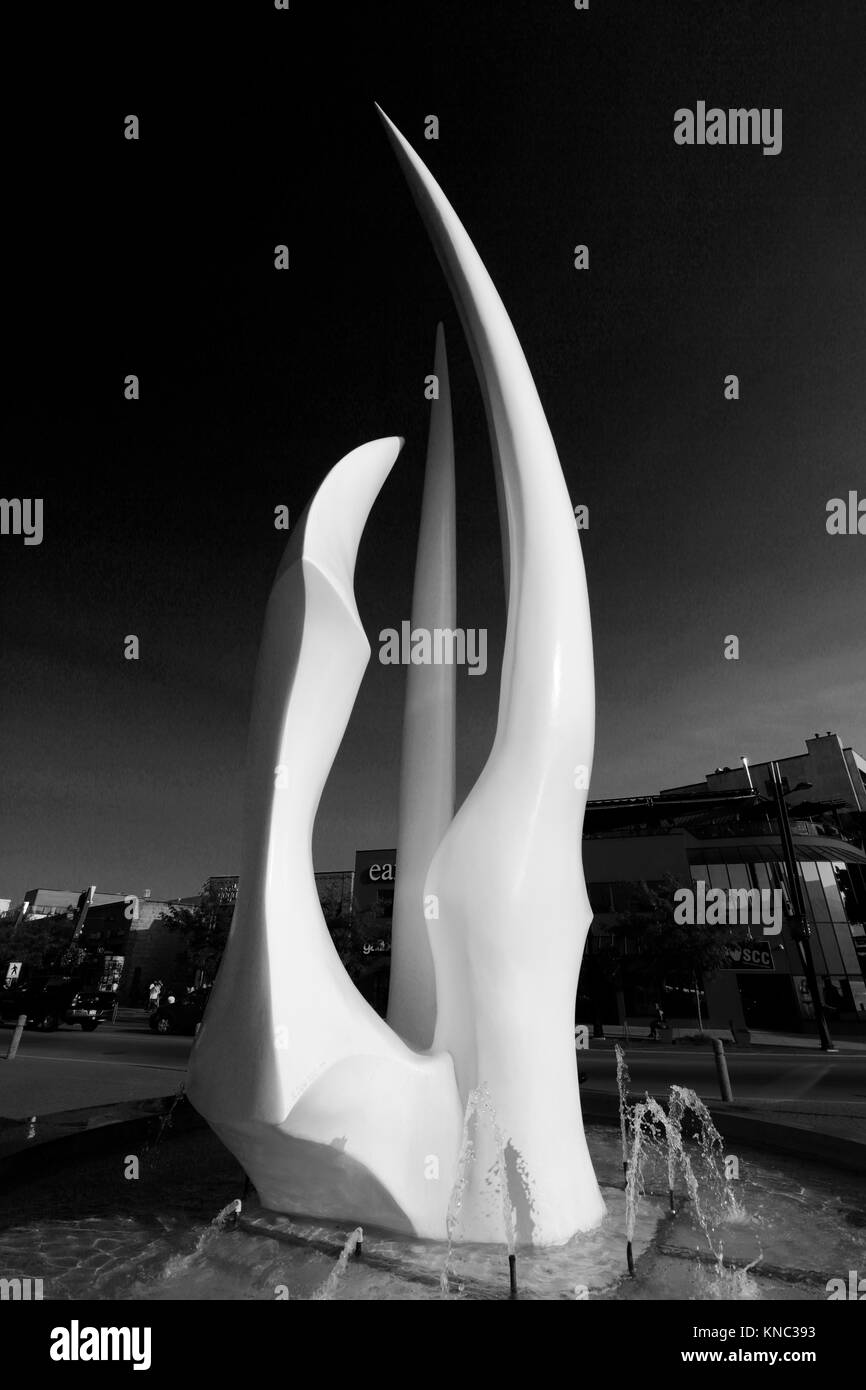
[{"x": 802, "y": 930}]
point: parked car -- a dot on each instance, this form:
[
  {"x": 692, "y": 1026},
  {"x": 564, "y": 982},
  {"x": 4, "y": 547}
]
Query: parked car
[
  {"x": 183, "y": 1015},
  {"x": 48, "y": 1004},
  {"x": 90, "y": 1007}
]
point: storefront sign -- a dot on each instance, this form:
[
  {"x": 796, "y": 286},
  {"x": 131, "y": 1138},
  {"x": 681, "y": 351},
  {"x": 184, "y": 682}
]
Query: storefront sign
[
  {"x": 750, "y": 955},
  {"x": 381, "y": 873}
]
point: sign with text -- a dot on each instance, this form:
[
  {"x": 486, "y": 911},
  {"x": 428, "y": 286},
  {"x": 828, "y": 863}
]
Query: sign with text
[{"x": 750, "y": 955}]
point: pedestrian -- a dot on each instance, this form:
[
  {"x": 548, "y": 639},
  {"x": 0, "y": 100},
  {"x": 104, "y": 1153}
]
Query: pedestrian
[
  {"x": 154, "y": 992},
  {"x": 659, "y": 1021}
]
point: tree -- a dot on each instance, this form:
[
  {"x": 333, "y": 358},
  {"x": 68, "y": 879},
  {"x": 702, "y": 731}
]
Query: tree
[
  {"x": 349, "y": 946},
  {"x": 204, "y": 929},
  {"x": 665, "y": 948},
  {"x": 601, "y": 970},
  {"x": 38, "y": 943}
]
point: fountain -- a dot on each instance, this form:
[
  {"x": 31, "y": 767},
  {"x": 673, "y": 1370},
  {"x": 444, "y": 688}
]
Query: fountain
[{"x": 182, "y": 1232}]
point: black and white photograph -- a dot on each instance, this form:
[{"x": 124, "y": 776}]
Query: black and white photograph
[{"x": 433, "y": 656}]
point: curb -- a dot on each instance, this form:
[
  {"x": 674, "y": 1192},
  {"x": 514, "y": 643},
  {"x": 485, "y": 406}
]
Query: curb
[
  {"x": 738, "y": 1123},
  {"x": 94, "y": 1129}
]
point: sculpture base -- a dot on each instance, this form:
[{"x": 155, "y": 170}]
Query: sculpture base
[
  {"x": 317, "y": 1181},
  {"x": 594, "y": 1262}
]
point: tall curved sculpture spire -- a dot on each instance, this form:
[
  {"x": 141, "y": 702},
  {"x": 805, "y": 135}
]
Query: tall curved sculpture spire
[
  {"x": 513, "y": 908},
  {"x": 427, "y": 766},
  {"x": 330, "y": 1112}
]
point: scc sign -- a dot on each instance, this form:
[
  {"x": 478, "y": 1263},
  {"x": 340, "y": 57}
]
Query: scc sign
[{"x": 750, "y": 955}]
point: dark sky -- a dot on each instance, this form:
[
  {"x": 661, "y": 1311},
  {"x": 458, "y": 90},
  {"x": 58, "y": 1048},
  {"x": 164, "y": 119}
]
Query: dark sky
[{"x": 707, "y": 517}]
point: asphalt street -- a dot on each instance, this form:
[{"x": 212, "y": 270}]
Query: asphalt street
[
  {"x": 128, "y": 1049},
  {"x": 127, "y": 1044},
  {"x": 759, "y": 1074},
  {"x": 71, "y": 1070}
]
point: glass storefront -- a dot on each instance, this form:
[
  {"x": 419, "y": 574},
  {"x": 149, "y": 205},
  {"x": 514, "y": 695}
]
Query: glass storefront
[{"x": 834, "y": 893}]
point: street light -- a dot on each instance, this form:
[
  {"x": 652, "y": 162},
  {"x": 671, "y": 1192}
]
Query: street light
[{"x": 802, "y": 930}]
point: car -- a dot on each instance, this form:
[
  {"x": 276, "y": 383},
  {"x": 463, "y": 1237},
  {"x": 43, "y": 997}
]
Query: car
[
  {"x": 183, "y": 1015},
  {"x": 47, "y": 1004},
  {"x": 90, "y": 1007},
  {"x": 42, "y": 1005}
]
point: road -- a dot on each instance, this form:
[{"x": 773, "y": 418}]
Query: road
[
  {"x": 129, "y": 1042},
  {"x": 69, "y": 1069},
  {"x": 759, "y": 1074},
  {"x": 72, "y": 1070}
]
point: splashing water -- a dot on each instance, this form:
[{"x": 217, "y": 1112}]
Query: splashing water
[
  {"x": 737, "y": 1215},
  {"x": 327, "y": 1291},
  {"x": 724, "y": 1282},
  {"x": 465, "y": 1160},
  {"x": 634, "y": 1180},
  {"x": 720, "y": 1193},
  {"x": 647, "y": 1130},
  {"x": 484, "y": 1106},
  {"x": 178, "y": 1266},
  {"x": 622, "y": 1084},
  {"x": 674, "y": 1151},
  {"x": 168, "y": 1117},
  {"x": 226, "y": 1219},
  {"x": 480, "y": 1110}
]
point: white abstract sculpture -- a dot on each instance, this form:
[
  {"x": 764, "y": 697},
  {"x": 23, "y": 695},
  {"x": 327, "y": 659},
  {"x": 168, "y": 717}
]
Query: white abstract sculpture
[{"x": 329, "y": 1111}]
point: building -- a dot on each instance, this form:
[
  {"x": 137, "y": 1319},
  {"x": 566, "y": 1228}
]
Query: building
[
  {"x": 334, "y": 889},
  {"x": 827, "y": 775},
  {"x": 721, "y": 846},
  {"x": 58, "y": 902},
  {"x": 374, "y": 878},
  {"x": 372, "y": 910},
  {"x": 357, "y": 906},
  {"x": 135, "y": 945},
  {"x": 122, "y": 943},
  {"x": 721, "y": 832}
]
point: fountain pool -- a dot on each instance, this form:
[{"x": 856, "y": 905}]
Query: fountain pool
[{"x": 790, "y": 1228}]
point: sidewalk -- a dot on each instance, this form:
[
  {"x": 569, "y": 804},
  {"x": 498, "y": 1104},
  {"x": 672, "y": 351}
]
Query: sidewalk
[
  {"x": 839, "y": 1119},
  {"x": 802, "y": 1042},
  {"x": 33, "y": 1086}
]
